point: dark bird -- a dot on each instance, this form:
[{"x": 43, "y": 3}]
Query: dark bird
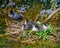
[{"x": 15, "y": 16}]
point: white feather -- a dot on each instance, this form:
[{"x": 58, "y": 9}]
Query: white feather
[{"x": 34, "y": 28}]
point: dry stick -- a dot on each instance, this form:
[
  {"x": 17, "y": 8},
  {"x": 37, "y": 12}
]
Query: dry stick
[
  {"x": 51, "y": 15},
  {"x": 36, "y": 17},
  {"x": 6, "y": 22},
  {"x": 48, "y": 16},
  {"x": 9, "y": 22}
]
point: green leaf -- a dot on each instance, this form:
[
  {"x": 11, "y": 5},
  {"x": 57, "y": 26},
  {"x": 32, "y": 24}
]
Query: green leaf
[{"x": 23, "y": 35}]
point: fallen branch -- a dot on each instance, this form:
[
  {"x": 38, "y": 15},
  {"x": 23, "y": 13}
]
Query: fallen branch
[
  {"x": 6, "y": 22},
  {"x": 36, "y": 17},
  {"x": 49, "y": 17}
]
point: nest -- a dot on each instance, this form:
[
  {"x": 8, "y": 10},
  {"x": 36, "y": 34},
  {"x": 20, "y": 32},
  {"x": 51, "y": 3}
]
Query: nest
[{"x": 14, "y": 32}]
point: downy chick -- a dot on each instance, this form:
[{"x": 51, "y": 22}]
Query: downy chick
[
  {"x": 14, "y": 15},
  {"x": 30, "y": 25}
]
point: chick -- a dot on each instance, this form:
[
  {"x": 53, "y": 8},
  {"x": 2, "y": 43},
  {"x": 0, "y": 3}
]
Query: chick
[
  {"x": 30, "y": 25},
  {"x": 15, "y": 16}
]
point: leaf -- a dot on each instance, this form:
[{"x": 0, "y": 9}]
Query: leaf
[{"x": 23, "y": 35}]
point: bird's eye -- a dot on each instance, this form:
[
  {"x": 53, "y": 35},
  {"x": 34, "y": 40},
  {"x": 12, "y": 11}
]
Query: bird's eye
[{"x": 22, "y": 10}]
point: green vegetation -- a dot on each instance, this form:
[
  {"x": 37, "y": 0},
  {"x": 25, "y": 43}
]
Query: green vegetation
[
  {"x": 49, "y": 38},
  {"x": 41, "y": 34}
]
